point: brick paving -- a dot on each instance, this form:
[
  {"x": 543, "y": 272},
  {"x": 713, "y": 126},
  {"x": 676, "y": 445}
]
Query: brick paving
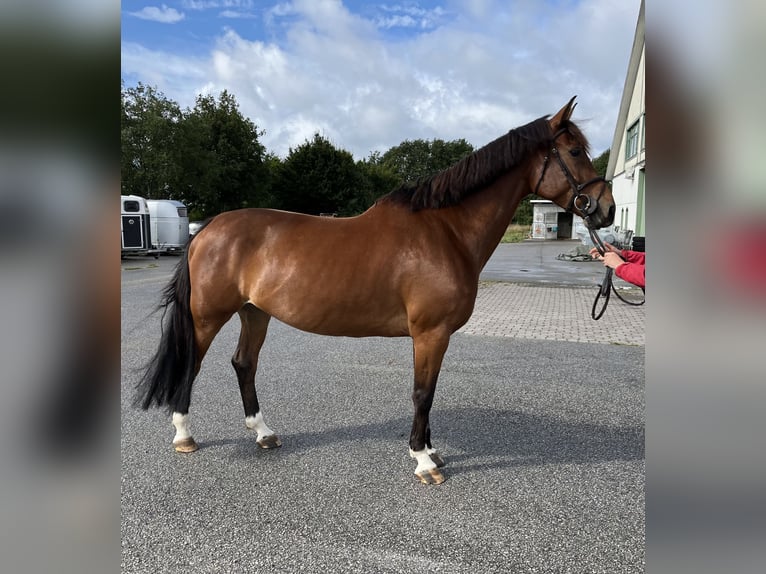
[{"x": 558, "y": 313}]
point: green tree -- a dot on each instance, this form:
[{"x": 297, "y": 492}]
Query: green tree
[
  {"x": 377, "y": 179},
  {"x": 316, "y": 177},
  {"x": 601, "y": 162},
  {"x": 412, "y": 160},
  {"x": 523, "y": 214},
  {"x": 222, "y": 163},
  {"x": 148, "y": 134}
]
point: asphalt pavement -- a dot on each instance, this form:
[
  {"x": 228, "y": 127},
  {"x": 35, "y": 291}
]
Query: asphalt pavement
[{"x": 539, "y": 414}]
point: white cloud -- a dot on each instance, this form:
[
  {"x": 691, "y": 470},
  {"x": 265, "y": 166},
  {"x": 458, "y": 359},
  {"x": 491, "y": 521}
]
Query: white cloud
[
  {"x": 405, "y": 21},
  {"x": 217, "y": 4},
  {"x": 161, "y": 14},
  {"x": 409, "y": 16},
  {"x": 475, "y": 76},
  {"x": 235, "y": 15},
  {"x": 281, "y": 9}
]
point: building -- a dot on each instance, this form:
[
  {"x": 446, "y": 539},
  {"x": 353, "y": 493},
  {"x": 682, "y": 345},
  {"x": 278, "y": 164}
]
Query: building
[
  {"x": 549, "y": 221},
  {"x": 627, "y": 159}
]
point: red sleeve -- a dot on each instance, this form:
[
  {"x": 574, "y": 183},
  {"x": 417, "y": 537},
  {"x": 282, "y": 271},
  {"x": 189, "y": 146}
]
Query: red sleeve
[
  {"x": 632, "y": 273},
  {"x": 634, "y": 256}
]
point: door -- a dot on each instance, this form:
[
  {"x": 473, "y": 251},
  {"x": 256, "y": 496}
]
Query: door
[
  {"x": 132, "y": 232},
  {"x": 565, "y": 225}
]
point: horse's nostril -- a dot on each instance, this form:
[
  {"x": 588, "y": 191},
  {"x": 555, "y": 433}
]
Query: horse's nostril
[{"x": 610, "y": 215}]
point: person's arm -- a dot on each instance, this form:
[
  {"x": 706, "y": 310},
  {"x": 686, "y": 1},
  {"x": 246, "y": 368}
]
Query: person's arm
[
  {"x": 634, "y": 256},
  {"x": 632, "y": 273}
]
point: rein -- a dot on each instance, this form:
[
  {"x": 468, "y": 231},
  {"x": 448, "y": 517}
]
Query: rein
[
  {"x": 587, "y": 207},
  {"x": 607, "y": 285}
]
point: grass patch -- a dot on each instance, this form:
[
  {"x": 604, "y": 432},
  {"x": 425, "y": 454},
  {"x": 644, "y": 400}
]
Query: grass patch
[
  {"x": 516, "y": 233},
  {"x": 149, "y": 266}
]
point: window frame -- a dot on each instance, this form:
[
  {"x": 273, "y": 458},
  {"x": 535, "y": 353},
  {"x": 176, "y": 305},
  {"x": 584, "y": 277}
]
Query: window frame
[
  {"x": 632, "y": 136},
  {"x": 131, "y": 206}
]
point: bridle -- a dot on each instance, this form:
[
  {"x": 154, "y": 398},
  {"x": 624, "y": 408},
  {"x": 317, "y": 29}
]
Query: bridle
[{"x": 587, "y": 206}]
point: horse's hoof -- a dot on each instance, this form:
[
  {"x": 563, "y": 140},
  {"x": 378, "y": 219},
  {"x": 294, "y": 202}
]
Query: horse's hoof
[
  {"x": 185, "y": 445},
  {"x": 437, "y": 460},
  {"x": 269, "y": 441},
  {"x": 430, "y": 476}
]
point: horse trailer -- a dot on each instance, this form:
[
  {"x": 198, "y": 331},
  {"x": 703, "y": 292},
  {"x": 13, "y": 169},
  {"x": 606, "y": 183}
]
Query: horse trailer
[
  {"x": 169, "y": 224},
  {"x": 135, "y": 225}
]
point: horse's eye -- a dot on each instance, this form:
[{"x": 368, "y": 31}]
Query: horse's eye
[{"x": 574, "y": 152}]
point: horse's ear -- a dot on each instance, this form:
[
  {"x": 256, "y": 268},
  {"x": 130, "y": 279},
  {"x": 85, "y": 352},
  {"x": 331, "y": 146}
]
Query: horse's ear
[{"x": 563, "y": 114}]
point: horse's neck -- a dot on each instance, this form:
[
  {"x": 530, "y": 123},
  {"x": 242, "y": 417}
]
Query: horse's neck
[{"x": 486, "y": 215}]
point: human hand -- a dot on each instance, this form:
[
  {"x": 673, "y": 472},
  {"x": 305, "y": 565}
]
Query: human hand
[
  {"x": 609, "y": 249},
  {"x": 611, "y": 259}
]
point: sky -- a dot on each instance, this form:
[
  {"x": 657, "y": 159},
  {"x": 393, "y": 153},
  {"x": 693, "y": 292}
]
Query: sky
[{"x": 370, "y": 75}]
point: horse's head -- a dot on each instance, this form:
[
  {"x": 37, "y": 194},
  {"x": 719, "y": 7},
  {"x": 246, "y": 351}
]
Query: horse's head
[{"x": 563, "y": 173}]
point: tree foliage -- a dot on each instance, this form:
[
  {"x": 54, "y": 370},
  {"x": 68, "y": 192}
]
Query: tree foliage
[
  {"x": 601, "y": 162},
  {"x": 317, "y": 178},
  {"x": 412, "y": 160},
  {"x": 148, "y": 130},
  {"x": 208, "y": 157},
  {"x": 222, "y": 163},
  {"x": 523, "y": 214},
  {"x": 378, "y": 180}
]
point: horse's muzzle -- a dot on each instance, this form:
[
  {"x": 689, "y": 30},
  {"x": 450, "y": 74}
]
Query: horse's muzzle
[
  {"x": 602, "y": 216},
  {"x": 606, "y": 219}
]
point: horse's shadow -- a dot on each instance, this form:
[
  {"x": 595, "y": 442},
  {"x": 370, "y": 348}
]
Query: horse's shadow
[{"x": 480, "y": 438}]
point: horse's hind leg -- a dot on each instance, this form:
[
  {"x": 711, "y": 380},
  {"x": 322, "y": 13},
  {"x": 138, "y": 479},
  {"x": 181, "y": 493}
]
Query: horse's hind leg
[
  {"x": 245, "y": 361},
  {"x": 204, "y": 333}
]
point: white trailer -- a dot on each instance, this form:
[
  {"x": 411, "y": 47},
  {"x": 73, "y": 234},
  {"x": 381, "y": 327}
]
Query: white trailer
[
  {"x": 134, "y": 226},
  {"x": 169, "y": 224}
]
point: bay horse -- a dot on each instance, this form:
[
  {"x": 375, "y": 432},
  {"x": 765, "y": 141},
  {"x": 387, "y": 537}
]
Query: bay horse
[{"x": 408, "y": 266}]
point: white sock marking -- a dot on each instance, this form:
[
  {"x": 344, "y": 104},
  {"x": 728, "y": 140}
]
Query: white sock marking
[
  {"x": 181, "y": 422},
  {"x": 424, "y": 460},
  {"x": 257, "y": 424}
]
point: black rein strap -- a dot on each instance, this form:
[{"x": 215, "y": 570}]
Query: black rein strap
[{"x": 607, "y": 285}]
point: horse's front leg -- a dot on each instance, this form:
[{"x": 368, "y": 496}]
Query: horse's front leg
[{"x": 429, "y": 349}]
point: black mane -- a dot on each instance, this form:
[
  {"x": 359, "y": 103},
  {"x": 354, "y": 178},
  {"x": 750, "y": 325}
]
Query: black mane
[{"x": 477, "y": 170}]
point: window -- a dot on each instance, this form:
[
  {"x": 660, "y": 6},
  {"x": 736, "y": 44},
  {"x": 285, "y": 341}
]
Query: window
[
  {"x": 631, "y": 141},
  {"x": 181, "y": 211},
  {"x": 131, "y": 206},
  {"x": 643, "y": 131}
]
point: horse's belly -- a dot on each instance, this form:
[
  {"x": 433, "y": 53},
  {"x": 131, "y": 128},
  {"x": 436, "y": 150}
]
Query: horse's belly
[
  {"x": 340, "y": 319},
  {"x": 347, "y": 326}
]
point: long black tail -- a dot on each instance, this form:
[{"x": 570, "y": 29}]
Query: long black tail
[{"x": 169, "y": 375}]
